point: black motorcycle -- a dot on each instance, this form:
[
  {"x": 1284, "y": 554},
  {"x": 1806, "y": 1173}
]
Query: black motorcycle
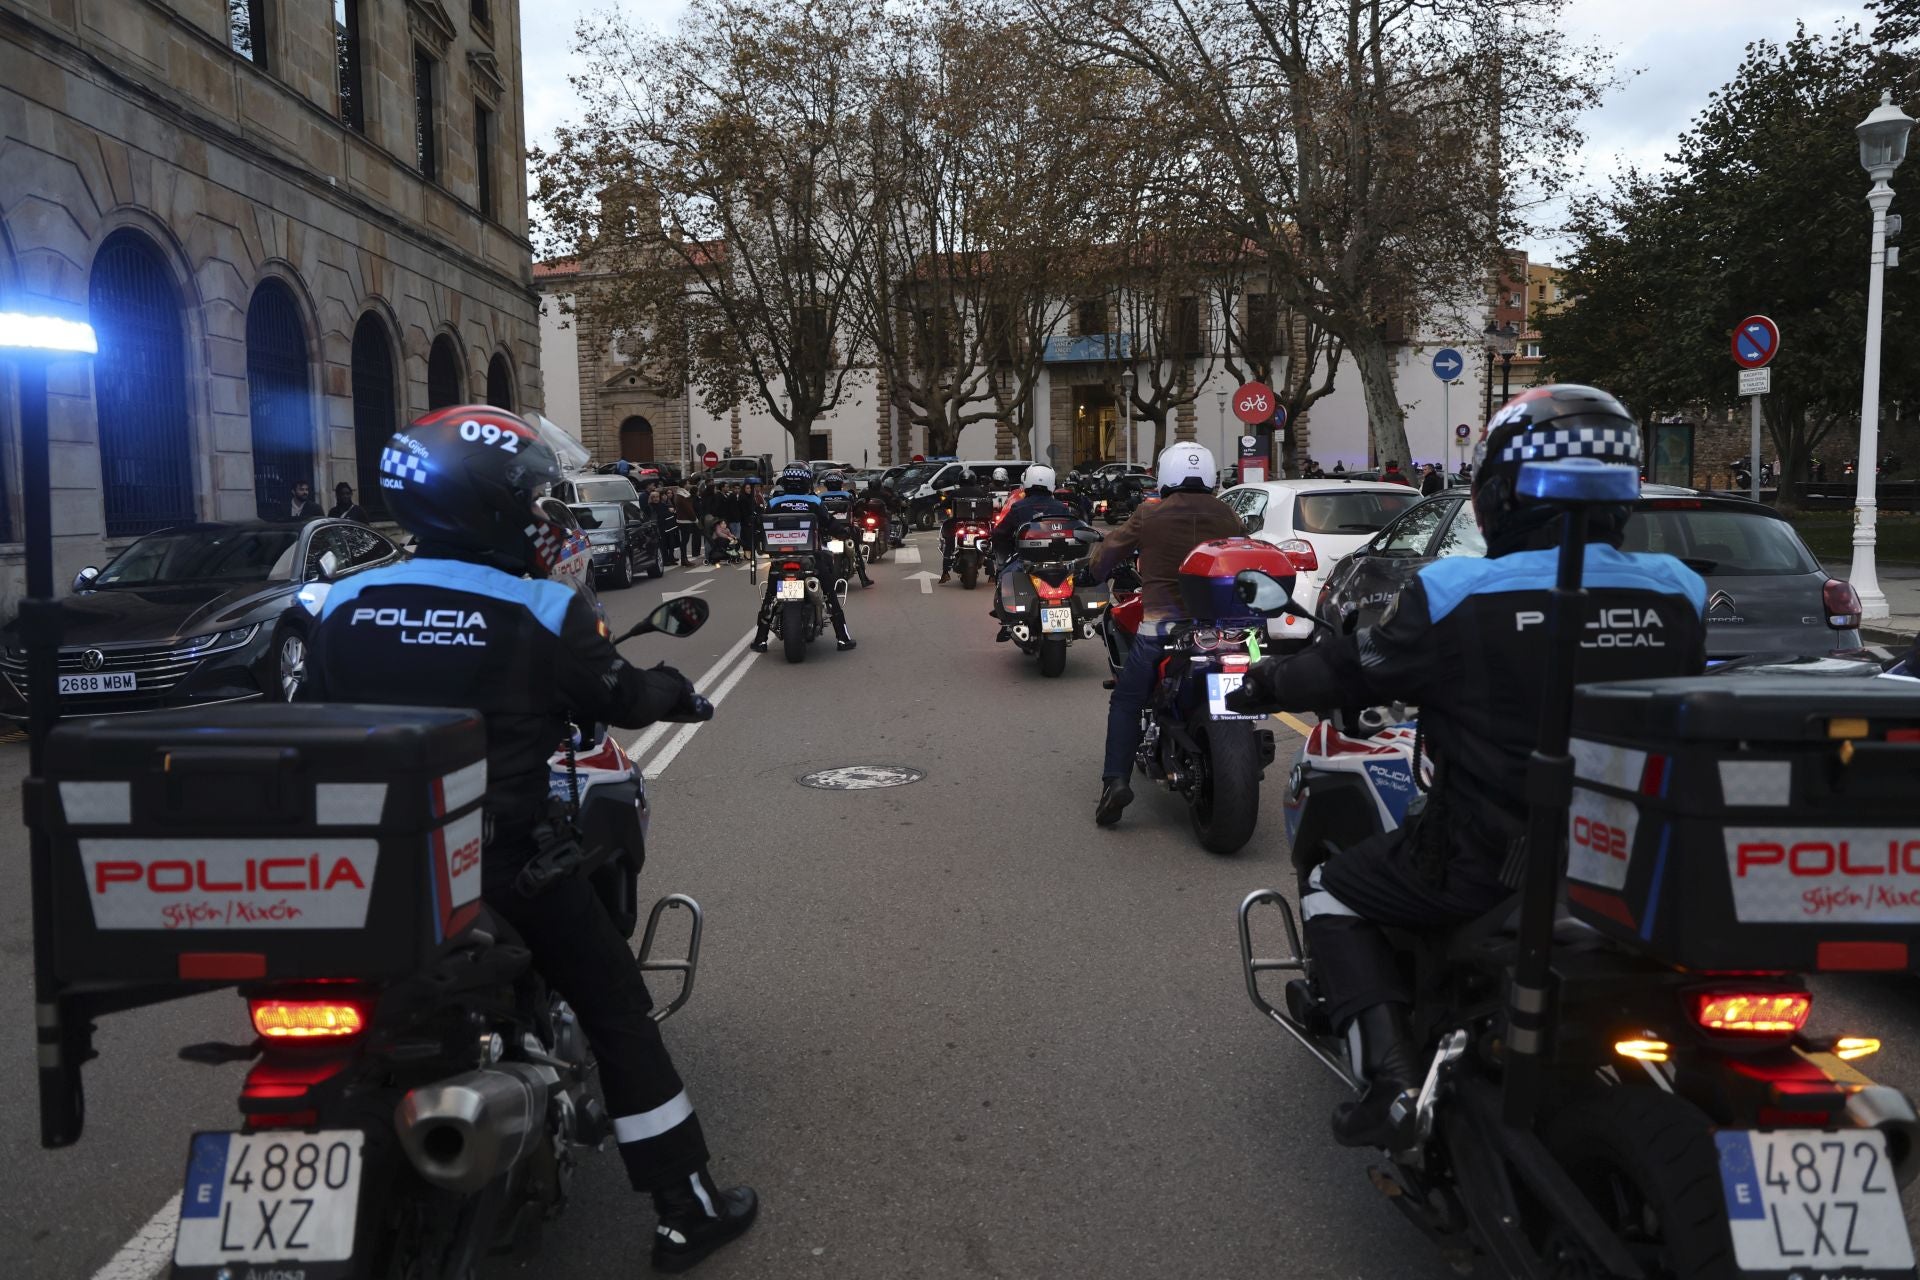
[
  {"x": 1621, "y": 1086},
  {"x": 417, "y": 1098},
  {"x": 1045, "y": 603}
]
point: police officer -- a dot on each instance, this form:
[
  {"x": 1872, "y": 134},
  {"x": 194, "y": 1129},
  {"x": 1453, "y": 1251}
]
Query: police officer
[
  {"x": 793, "y": 491},
  {"x": 968, "y": 500},
  {"x": 466, "y": 482},
  {"x": 1464, "y": 641}
]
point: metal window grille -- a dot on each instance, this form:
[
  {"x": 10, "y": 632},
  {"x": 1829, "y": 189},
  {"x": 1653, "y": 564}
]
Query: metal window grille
[
  {"x": 483, "y": 156},
  {"x": 277, "y": 398},
  {"x": 346, "y": 45},
  {"x": 140, "y": 390},
  {"x": 499, "y": 384},
  {"x": 374, "y": 416},
  {"x": 443, "y": 374},
  {"x": 425, "y": 143}
]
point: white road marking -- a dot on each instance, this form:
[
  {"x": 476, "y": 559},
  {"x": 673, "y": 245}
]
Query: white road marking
[
  {"x": 926, "y": 578},
  {"x": 150, "y": 1251},
  {"x": 907, "y": 555},
  {"x": 658, "y": 765},
  {"x": 693, "y": 590},
  {"x": 655, "y": 732}
]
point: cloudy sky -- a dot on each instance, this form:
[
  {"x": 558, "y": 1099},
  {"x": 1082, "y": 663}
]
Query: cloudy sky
[{"x": 1670, "y": 54}]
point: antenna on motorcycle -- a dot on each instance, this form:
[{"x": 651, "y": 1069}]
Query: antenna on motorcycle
[{"x": 1576, "y": 485}]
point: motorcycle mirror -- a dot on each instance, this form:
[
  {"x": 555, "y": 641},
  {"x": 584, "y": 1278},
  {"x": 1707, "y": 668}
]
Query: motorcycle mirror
[
  {"x": 1267, "y": 594},
  {"x": 680, "y": 616},
  {"x": 1089, "y": 536}
]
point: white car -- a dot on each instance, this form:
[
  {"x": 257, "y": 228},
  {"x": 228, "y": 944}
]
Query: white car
[{"x": 1315, "y": 522}]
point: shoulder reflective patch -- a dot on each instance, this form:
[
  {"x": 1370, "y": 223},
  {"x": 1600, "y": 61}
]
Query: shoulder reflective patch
[
  {"x": 1452, "y": 580},
  {"x": 547, "y": 601}
]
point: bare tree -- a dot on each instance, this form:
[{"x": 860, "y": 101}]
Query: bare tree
[
  {"x": 1377, "y": 151},
  {"x": 719, "y": 186},
  {"x": 1263, "y": 341}
]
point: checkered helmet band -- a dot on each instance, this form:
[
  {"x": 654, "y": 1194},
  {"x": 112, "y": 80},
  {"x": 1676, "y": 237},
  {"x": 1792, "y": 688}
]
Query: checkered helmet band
[{"x": 1620, "y": 442}]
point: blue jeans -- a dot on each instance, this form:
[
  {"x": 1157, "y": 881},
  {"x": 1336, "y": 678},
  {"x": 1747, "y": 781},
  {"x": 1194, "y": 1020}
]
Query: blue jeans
[{"x": 1131, "y": 691}]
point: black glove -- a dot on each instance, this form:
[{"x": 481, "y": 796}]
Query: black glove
[
  {"x": 1259, "y": 691},
  {"x": 688, "y": 701}
]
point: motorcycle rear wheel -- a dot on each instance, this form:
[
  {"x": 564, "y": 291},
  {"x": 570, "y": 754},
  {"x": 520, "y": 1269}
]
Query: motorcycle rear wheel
[
  {"x": 969, "y": 575},
  {"x": 1646, "y": 1161},
  {"x": 1225, "y": 804},
  {"x": 1053, "y": 656},
  {"x": 793, "y": 632}
]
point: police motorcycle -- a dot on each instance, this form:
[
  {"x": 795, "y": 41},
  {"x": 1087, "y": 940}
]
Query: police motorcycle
[
  {"x": 1618, "y": 1082},
  {"x": 1047, "y": 605},
  {"x": 416, "y": 1098},
  {"x": 796, "y": 562},
  {"x": 1210, "y": 756},
  {"x": 872, "y": 526}
]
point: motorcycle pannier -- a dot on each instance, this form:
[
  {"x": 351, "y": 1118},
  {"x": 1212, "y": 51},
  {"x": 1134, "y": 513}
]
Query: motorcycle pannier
[
  {"x": 790, "y": 531},
  {"x": 1750, "y": 821},
  {"x": 262, "y": 841}
]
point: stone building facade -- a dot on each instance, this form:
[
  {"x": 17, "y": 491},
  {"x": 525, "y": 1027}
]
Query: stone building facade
[
  {"x": 294, "y": 225},
  {"x": 622, "y": 411}
]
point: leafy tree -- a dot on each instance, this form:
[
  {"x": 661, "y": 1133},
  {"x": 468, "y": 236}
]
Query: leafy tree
[{"x": 1762, "y": 211}]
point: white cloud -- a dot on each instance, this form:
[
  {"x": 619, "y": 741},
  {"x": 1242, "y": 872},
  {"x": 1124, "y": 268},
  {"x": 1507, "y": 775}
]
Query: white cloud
[{"x": 547, "y": 54}]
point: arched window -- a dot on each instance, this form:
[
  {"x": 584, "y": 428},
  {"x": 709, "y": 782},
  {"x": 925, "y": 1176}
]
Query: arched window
[
  {"x": 375, "y": 417},
  {"x": 277, "y": 398},
  {"x": 636, "y": 439},
  {"x": 140, "y": 389},
  {"x": 443, "y": 374},
  {"x": 500, "y": 383}
]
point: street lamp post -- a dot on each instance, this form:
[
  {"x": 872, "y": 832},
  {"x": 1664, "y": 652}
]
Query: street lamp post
[
  {"x": 1883, "y": 145},
  {"x": 32, "y": 343},
  {"x": 1220, "y": 424},
  {"x": 1502, "y": 340}
]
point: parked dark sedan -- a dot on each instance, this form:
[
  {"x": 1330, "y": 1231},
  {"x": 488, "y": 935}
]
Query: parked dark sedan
[
  {"x": 1765, "y": 591},
  {"x": 623, "y": 546},
  {"x": 194, "y": 615}
]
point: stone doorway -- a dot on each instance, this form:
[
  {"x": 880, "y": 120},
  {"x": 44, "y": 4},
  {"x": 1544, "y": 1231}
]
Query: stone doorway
[
  {"x": 1096, "y": 426},
  {"x": 636, "y": 439}
]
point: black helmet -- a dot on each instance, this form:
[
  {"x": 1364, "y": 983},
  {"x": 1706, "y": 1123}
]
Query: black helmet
[
  {"x": 834, "y": 481},
  {"x": 1562, "y": 420},
  {"x": 467, "y": 479},
  {"x": 795, "y": 479}
]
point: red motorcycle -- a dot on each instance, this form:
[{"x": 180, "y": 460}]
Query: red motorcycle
[{"x": 1210, "y": 757}]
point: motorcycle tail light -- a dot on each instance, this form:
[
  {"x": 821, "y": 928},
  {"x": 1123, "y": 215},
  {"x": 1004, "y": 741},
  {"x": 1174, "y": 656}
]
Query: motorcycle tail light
[
  {"x": 1301, "y": 553},
  {"x": 1047, "y": 591},
  {"x": 1841, "y": 604},
  {"x": 1752, "y": 1013},
  {"x": 308, "y": 1019},
  {"x": 790, "y": 566}
]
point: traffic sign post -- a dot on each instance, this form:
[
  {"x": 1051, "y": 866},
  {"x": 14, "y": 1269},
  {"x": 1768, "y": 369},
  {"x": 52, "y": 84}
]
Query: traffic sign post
[
  {"x": 1756, "y": 340},
  {"x": 1447, "y": 365},
  {"x": 711, "y": 459},
  {"x": 1255, "y": 405},
  {"x": 1461, "y": 434}
]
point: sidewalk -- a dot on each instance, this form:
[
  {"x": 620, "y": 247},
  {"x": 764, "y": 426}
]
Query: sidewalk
[{"x": 1901, "y": 585}]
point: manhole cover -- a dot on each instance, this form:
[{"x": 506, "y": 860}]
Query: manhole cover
[{"x": 861, "y": 777}]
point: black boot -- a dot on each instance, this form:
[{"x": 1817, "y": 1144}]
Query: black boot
[
  {"x": 1115, "y": 796},
  {"x": 697, "y": 1217},
  {"x": 762, "y": 625},
  {"x": 1390, "y": 1068}
]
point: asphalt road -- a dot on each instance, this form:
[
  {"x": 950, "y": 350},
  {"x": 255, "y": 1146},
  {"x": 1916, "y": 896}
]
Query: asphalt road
[{"x": 946, "y": 1029}]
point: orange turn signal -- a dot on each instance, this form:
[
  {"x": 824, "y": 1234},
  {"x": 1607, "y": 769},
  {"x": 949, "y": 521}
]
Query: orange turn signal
[
  {"x": 1642, "y": 1050},
  {"x": 1851, "y": 1047}
]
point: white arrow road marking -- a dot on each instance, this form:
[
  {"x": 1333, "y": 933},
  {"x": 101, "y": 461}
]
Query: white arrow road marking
[
  {"x": 693, "y": 590},
  {"x": 658, "y": 765},
  {"x": 926, "y": 579},
  {"x": 150, "y": 1251},
  {"x": 644, "y": 743},
  {"x": 907, "y": 555}
]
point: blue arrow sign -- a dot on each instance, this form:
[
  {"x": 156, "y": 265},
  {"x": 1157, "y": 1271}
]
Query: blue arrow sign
[{"x": 1447, "y": 364}]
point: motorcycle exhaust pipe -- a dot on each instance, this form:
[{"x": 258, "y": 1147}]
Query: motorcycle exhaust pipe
[
  {"x": 463, "y": 1132},
  {"x": 813, "y": 586},
  {"x": 1022, "y": 634}
]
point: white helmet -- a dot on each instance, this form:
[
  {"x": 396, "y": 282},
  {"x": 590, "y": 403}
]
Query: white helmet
[
  {"x": 1180, "y": 463},
  {"x": 999, "y": 473},
  {"x": 1039, "y": 477}
]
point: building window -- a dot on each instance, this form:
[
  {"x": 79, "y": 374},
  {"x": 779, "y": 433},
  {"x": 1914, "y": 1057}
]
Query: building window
[
  {"x": 820, "y": 446},
  {"x": 426, "y": 144},
  {"x": 277, "y": 398},
  {"x": 1188, "y": 341},
  {"x": 1093, "y": 315},
  {"x": 443, "y": 374},
  {"x": 375, "y": 407},
  {"x": 1531, "y": 351},
  {"x": 247, "y": 29},
  {"x": 1260, "y": 326},
  {"x": 140, "y": 389},
  {"x": 482, "y": 13},
  {"x": 500, "y": 383},
  {"x": 346, "y": 63},
  {"x": 1516, "y": 300},
  {"x": 483, "y": 155}
]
